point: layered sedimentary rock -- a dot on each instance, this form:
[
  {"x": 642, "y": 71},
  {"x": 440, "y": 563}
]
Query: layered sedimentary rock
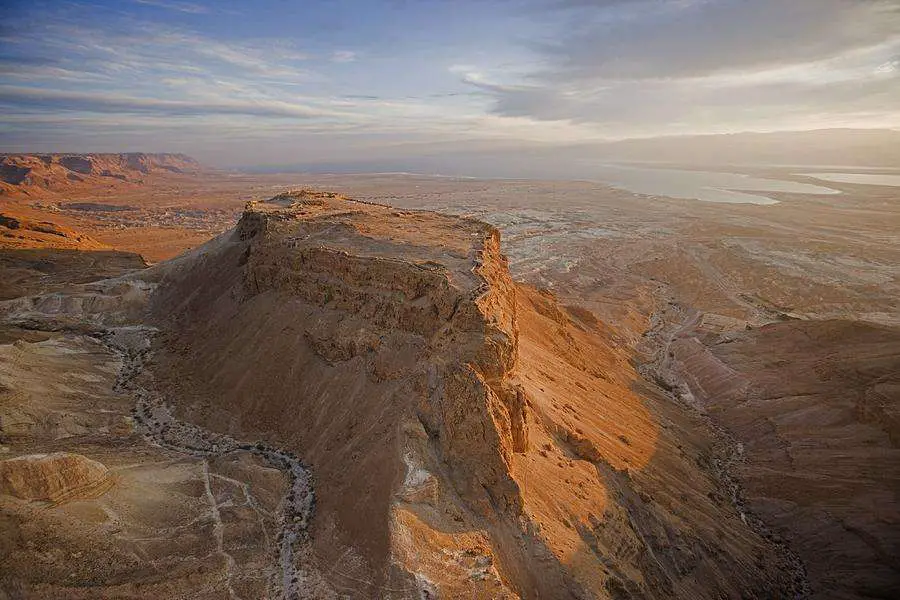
[
  {"x": 53, "y": 477},
  {"x": 41, "y": 173},
  {"x": 468, "y": 436}
]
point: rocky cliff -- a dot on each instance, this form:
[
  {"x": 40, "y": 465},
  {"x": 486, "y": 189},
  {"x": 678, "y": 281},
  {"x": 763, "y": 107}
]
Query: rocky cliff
[
  {"x": 29, "y": 174},
  {"x": 468, "y": 436}
]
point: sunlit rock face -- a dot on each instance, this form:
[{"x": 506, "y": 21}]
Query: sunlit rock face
[{"x": 55, "y": 478}]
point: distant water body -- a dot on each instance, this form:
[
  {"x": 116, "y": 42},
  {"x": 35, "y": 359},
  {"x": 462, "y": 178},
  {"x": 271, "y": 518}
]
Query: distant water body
[
  {"x": 860, "y": 178},
  {"x": 708, "y": 186}
]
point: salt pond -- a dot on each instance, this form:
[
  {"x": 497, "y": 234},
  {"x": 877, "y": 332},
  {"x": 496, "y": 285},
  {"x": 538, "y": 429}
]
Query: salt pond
[
  {"x": 708, "y": 186},
  {"x": 863, "y": 178}
]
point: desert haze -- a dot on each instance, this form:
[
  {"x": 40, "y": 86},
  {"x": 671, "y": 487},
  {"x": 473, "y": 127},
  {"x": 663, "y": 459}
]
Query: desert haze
[{"x": 507, "y": 299}]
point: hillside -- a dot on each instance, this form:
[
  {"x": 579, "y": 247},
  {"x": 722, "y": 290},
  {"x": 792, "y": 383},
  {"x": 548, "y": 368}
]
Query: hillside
[
  {"x": 814, "y": 403},
  {"x": 40, "y": 174},
  {"x": 156, "y": 205}
]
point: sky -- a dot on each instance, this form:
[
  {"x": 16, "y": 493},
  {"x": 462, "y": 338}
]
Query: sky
[{"x": 285, "y": 81}]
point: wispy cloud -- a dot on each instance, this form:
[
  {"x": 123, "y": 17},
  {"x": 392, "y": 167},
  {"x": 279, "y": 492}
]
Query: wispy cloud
[
  {"x": 707, "y": 65},
  {"x": 184, "y": 7},
  {"x": 553, "y": 71},
  {"x": 105, "y": 102},
  {"x": 343, "y": 56}
]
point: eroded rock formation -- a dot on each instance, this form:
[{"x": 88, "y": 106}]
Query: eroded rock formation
[
  {"x": 461, "y": 435},
  {"x": 55, "y": 478},
  {"x": 42, "y": 173},
  {"x": 468, "y": 436}
]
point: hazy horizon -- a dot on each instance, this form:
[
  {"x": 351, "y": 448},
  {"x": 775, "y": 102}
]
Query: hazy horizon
[{"x": 349, "y": 80}]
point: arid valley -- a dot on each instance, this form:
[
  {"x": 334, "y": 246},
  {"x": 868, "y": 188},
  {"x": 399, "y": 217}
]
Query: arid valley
[{"x": 219, "y": 384}]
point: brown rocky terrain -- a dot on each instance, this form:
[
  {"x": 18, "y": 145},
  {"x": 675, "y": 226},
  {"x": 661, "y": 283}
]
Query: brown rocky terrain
[
  {"x": 441, "y": 406},
  {"x": 38, "y": 255},
  {"x": 721, "y": 423},
  {"x": 466, "y": 435},
  {"x": 88, "y": 508},
  {"x": 816, "y": 403},
  {"x": 22, "y": 232},
  {"x": 42, "y": 174},
  {"x": 53, "y": 478},
  {"x": 812, "y": 281},
  {"x": 156, "y": 205}
]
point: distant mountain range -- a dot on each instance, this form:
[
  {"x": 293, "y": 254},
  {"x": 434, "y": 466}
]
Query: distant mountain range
[{"x": 38, "y": 173}]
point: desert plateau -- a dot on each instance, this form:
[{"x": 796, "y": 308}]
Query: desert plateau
[{"x": 445, "y": 387}]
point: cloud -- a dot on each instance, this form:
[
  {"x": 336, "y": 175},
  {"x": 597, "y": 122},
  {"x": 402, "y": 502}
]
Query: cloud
[
  {"x": 549, "y": 71},
  {"x": 184, "y": 7},
  {"x": 343, "y": 56},
  {"x": 146, "y": 48},
  {"x": 100, "y": 102},
  {"x": 708, "y": 37},
  {"x": 643, "y": 66}
]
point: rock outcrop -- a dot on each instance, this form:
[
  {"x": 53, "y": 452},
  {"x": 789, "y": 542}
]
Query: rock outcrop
[
  {"x": 467, "y": 435},
  {"x": 29, "y": 174},
  {"x": 55, "y": 478}
]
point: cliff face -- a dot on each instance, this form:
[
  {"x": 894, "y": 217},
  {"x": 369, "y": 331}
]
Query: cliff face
[
  {"x": 375, "y": 300},
  {"x": 381, "y": 345},
  {"x": 28, "y": 174},
  {"x": 467, "y": 436}
]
